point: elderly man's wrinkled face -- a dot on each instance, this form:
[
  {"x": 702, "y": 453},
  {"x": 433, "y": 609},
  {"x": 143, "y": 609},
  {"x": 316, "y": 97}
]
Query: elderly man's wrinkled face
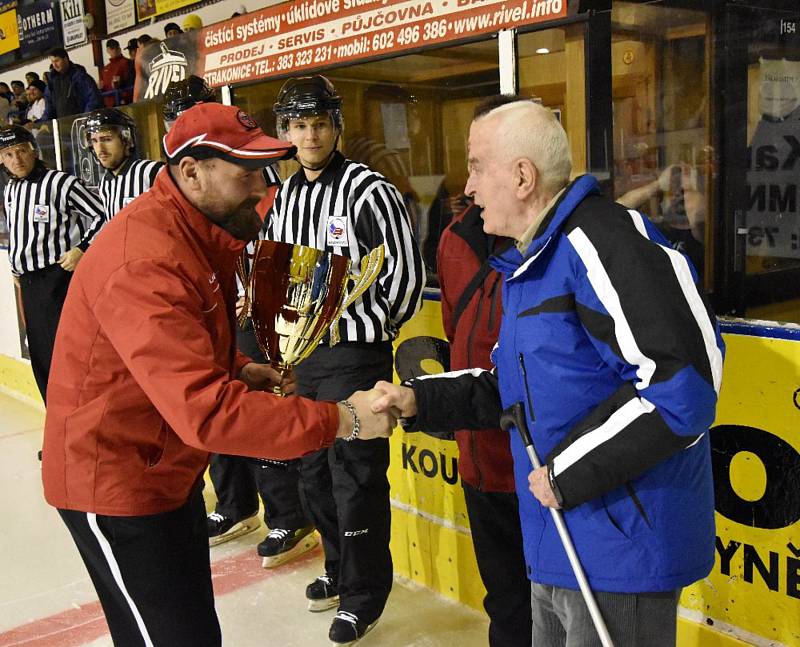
[
  {"x": 491, "y": 181},
  {"x": 19, "y": 160}
]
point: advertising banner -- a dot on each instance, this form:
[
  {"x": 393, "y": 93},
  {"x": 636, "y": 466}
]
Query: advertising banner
[
  {"x": 38, "y": 28},
  {"x": 9, "y": 36},
  {"x": 120, "y": 14},
  {"x": 753, "y": 591},
  {"x": 148, "y": 8},
  {"x": 72, "y": 23},
  {"x": 293, "y": 36}
]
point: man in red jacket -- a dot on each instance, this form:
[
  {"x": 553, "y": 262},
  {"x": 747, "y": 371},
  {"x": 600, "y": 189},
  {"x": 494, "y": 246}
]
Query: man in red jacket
[
  {"x": 471, "y": 312},
  {"x": 145, "y": 382},
  {"x": 117, "y": 76}
]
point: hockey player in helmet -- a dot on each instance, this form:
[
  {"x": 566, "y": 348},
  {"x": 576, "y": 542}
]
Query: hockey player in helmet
[
  {"x": 111, "y": 136},
  {"x": 346, "y": 208},
  {"x": 304, "y": 97},
  {"x": 182, "y": 95}
]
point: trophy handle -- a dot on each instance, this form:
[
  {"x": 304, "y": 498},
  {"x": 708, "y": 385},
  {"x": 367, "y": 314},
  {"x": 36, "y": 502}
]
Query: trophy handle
[
  {"x": 371, "y": 266},
  {"x": 242, "y": 264}
]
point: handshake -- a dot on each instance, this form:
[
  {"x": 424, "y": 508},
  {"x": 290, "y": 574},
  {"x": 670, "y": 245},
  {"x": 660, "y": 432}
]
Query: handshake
[{"x": 376, "y": 411}]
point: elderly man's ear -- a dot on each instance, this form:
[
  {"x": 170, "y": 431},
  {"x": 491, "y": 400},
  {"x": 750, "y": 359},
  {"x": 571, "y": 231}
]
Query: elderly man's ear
[{"x": 525, "y": 177}]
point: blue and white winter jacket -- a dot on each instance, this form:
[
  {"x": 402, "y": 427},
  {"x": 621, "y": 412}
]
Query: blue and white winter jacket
[{"x": 617, "y": 357}]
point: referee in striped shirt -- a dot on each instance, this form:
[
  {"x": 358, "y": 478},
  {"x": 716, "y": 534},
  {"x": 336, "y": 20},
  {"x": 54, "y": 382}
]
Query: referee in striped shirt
[
  {"x": 51, "y": 220},
  {"x": 341, "y": 206},
  {"x": 111, "y": 136}
]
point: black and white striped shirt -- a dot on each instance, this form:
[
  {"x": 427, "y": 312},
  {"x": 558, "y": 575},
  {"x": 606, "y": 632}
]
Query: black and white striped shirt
[
  {"x": 349, "y": 210},
  {"x": 135, "y": 177},
  {"x": 272, "y": 178},
  {"x": 48, "y": 213}
]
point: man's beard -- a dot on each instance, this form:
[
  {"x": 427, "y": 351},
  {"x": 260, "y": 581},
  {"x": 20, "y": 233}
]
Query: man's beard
[{"x": 243, "y": 223}]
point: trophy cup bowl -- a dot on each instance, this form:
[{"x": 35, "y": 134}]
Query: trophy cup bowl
[{"x": 295, "y": 294}]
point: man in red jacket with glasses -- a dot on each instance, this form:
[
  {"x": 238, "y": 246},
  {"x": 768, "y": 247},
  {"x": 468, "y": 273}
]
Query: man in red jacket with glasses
[{"x": 146, "y": 382}]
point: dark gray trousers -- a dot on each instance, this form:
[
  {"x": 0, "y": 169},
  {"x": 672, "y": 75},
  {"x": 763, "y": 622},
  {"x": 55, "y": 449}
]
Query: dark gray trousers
[{"x": 561, "y": 618}]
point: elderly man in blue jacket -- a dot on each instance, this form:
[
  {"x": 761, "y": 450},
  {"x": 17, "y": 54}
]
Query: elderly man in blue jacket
[{"x": 609, "y": 344}]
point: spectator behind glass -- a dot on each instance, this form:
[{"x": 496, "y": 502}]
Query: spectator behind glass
[
  {"x": 681, "y": 210},
  {"x": 18, "y": 88},
  {"x": 117, "y": 76},
  {"x": 5, "y": 104},
  {"x": 171, "y": 29},
  {"x": 192, "y": 22},
  {"x": 36, "y": 104},
  {"x": 70, "y": 90},
  {"x": 131, "y": 48},
  {"x": 19, "y": 104}
]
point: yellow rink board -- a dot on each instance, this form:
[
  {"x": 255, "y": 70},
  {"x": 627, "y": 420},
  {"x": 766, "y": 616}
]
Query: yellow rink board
[{"x": 735, "y": 604}]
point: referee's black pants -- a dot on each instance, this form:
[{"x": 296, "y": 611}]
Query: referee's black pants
[
  {"x": 344, "y": 487},
  {"x": 152, "y": 574},
  {"x": 238, "y": 480},
  {"x": 43, "y": 293}
]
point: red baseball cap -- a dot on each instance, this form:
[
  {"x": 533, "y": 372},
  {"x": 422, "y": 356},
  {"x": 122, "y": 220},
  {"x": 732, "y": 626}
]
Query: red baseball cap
[{"x": 212, "y": 130}]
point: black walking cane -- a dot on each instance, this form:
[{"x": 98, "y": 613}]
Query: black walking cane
[{"x": 514, "y": 416}]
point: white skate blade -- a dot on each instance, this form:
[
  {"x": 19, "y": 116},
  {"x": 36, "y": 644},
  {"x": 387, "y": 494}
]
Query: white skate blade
[
  {"x": 239, "y": 529},
  {"x": 304, "y": 545},
  {"x": 323, "y": 605},
  {"x": 357, "y": 640}
]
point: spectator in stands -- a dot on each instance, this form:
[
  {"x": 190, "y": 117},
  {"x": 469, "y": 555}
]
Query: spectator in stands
[
  {"x": 117, "y": 76},
  {"x": 36, "y": 104},
  {"x": 171, "y": 29},
  {"x": 19, "y": 103},
  {"x": 192, "y": 22},
  {"x": 144, "y": 39},
  {"x": 131, "y": 48},
  {"x": 30, "y": 77},
  {"x": 5, "y": 102},
  {"x": 18, "y": 88},
  {"x": 71, "y": 90}
]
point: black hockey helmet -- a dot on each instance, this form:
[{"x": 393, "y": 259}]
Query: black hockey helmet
[
  {"x": 13, "y": 135},
  {"x": 182, "y": 95},
  {"x": 109, "y": 119},
  {"x": 304, "y": 96}
]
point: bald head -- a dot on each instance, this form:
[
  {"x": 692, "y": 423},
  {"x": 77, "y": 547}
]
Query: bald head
[{"x": 525, "y": 129}]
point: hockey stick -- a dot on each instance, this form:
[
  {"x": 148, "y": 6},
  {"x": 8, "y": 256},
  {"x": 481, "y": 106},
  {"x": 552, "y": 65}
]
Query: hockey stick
[{"x": 514, "y": 416}]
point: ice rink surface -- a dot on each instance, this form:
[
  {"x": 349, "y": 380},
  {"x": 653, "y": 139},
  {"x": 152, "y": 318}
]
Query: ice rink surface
[{"x": 47, "y": 600}]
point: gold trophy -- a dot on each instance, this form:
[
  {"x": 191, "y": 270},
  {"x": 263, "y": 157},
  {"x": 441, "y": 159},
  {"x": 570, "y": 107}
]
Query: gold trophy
[{"x": 295, "y": 294}]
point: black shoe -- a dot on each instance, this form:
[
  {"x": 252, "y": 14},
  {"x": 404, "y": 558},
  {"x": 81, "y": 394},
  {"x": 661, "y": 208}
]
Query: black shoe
[
  {"x": 281, "y": 545},
  {"x": 347, "y": 629},
  {"x": 322, "y": 593},
  {"x": 221, "y": 529}
]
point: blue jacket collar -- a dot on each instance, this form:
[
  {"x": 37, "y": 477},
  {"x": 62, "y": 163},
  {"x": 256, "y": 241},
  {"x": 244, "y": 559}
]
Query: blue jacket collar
[{"x": 509, "y": 261}]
